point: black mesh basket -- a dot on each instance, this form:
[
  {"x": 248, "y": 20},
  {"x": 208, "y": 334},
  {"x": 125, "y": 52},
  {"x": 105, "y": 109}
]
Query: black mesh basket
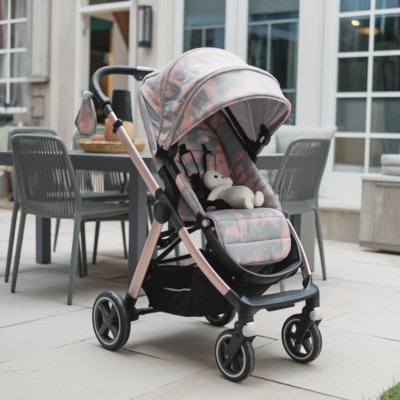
[{"x": 177, "y": 286}]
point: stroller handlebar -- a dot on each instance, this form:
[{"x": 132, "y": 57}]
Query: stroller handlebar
[{"x": 137, "y": 72}]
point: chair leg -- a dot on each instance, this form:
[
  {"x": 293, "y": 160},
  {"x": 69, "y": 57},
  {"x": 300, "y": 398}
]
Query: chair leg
[
  {"x": 96, "y": 240},
  {"x": 282, "y": 286},
  {"x": 80, "y": 269},
  {"x": 11, "y": 238},
  {"x": 83, "y": 241},
  {"x": 18, "y": 251},
  {"x": 124, "y": 239},
  {"x": 74, "y": 261},
  {"x": 56, "y": 233},
  {"x": 320, "y": 242}
]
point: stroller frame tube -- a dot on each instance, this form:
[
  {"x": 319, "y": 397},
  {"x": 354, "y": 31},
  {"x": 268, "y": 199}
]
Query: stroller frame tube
[{"x": 306, "y": 270}]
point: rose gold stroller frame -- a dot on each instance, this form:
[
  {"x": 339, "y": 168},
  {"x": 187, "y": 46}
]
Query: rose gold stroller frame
[{"x": 230, "y": 344}]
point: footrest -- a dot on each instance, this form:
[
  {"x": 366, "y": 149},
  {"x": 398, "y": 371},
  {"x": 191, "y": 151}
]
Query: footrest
[{"x": 277, "y": 301}]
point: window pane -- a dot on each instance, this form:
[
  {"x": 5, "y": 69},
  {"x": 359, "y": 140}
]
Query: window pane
[
  {"x": 3, "y": 66},
  {"x": 3, "y": 36},
  {"x": 92, "y": 2},
  {"x": 18, "y": 9},
  {"x": 379, "y": 147},
  {"x": 353, "y": 35},
  {"x": 349, "y": 155},
  {"x": 352, "y": 74},
  {"x": 17, "y": 95},
  {"x": 284, "y": 54},
  {"x": 215, "y": 37},
  {"x": 387, "y": 3},
  {"x": 3, "y": 9},
  {"x": 292, "y": 117},
  {"x": 18, "y": 35},
  {"x": 261, "y": 10},
  {"x": 257, "y": 46},
  {"x": 204, "y": 13},
  {"x": 351, "y": 114},
  {"x": 354, "y": 5},
  {"x": 18, "y": 65},
  {"x": 386, "y": 73},
  {"x": 385, "y": 116},
  {"x": 387, "y": 32},
  {"x": 193, "y": 39}
]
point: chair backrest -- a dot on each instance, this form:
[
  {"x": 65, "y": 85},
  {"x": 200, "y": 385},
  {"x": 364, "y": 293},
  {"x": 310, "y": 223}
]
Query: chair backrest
[
  {"x": 98, "y": 181},
  {"x": 300, "y": 173},
  {"x": 45, "y": 177},
  {"x": 28, "y": 130}
]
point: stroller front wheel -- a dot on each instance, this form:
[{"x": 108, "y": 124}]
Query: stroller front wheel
[
  {"x": 242, "y": 364},
  {"x": 306, "y": 351},
  {"x": 222, "y": 319},
  {"x": 111, "y": 322}
]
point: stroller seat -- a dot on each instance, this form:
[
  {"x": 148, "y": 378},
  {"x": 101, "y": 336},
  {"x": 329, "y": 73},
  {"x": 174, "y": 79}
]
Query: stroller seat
[{"x": 252, "y": 237}]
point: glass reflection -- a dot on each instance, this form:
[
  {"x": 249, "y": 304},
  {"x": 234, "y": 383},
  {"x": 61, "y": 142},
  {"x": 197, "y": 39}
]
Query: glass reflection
[
  {"x": 386, "y": 73},
  {"x": 351, "y": 115},
  {"x": 387, "y": 28},
  {"x": 354, "y": 34},
  {"x": 387, "y": 4},
  {"x": 354, "y": 5},
  {"x": 257, "y": 46},
  {"x": 261, "y": 10},
  {"x": 349, "y": 154},
  {"x": 352, "y": 74},
  {"x": 385, "y": 116},
  {"x": 378, "y": 147}
]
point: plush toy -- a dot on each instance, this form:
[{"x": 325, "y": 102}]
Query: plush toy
[{"x": 235, "y": 196}]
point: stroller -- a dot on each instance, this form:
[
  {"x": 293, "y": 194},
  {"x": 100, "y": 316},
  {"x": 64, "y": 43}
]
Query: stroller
[{"x": 209, "y": 112}]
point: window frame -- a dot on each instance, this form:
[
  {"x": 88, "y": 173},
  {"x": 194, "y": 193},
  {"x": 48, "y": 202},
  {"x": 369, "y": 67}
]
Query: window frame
[
  {"x": 339, "y": 180},
  {"x": 8, "y": 22}
]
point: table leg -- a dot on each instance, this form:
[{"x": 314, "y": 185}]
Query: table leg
[
  {"x": 137, "y": 220},
  {"x": 43, "y": 240}
]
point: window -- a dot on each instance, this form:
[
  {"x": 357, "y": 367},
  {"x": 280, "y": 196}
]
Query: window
[
  {"x": 13, "y": 56},
  {"x": 204, "y": 24},
  {"x": 272, "y": 42},
  {"x": 368, "y": 84}
]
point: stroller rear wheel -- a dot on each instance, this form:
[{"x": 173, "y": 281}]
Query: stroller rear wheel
[
  {"x": 222, "y": 319},
  {"x": 242, "y": 364},
  {"x": 306, "y": 351},
  {"x": 111, "y": 322}
]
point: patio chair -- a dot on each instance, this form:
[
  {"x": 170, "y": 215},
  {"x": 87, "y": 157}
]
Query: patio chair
[
  {"x": 298, "y": 180},
  {"x": 48, "y": 188},
  {"x": 98, "y": 186},
  {"x": 16, "y": 206}
]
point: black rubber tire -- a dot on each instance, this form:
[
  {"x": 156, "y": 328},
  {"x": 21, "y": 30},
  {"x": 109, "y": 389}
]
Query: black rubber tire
[
  {"x": 243, "y": 363},
  {"x": 222, "y": 319},
  {"x": 112, "y": 333},
  {"x": 311, "y": 346}
]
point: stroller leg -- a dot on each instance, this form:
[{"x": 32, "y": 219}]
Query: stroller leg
[{"x": 144, "y": 261}]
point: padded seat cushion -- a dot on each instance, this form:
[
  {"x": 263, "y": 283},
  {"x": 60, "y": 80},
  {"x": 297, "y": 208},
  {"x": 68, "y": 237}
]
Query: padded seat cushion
[{"x": 253, "y": 237}]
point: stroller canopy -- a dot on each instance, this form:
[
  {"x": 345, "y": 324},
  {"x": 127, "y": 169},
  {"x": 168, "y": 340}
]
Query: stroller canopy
[{"x": 200, "y": 82}]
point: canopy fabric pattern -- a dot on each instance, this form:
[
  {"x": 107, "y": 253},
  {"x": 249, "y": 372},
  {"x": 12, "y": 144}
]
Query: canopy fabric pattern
[{"x": 200, "y": 82}]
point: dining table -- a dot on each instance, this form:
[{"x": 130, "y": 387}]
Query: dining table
[{"x": 121, "y": 162}]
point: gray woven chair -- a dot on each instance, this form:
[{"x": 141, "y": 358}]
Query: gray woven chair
[
  {"x": 16, "y": 206},
  {"x": 98, "y": 186},
  {"x": 48, "y": 188},
  {"x": 298, "y": 180}
]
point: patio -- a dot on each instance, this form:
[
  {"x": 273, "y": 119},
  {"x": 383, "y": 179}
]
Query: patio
[{"x": 48, "y": 349}]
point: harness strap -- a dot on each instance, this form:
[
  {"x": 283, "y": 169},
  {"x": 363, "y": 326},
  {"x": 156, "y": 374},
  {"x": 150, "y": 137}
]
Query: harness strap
[
  {"x": 210, "y": 160},
  {"x": 192, "y": 170}
]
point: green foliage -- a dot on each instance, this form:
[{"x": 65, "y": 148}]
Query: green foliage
[{"x": 391, "y": 394}]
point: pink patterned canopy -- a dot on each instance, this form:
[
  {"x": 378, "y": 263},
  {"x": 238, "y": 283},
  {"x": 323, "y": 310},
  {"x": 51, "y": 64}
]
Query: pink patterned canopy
[{"x": 200, "y": 82}]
